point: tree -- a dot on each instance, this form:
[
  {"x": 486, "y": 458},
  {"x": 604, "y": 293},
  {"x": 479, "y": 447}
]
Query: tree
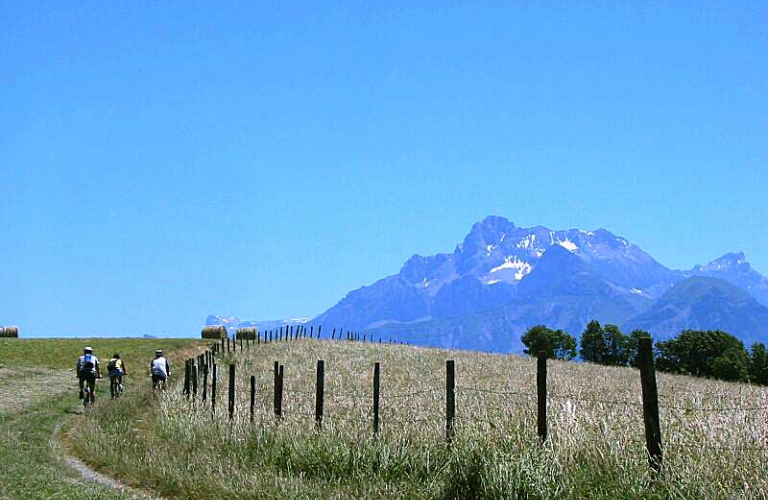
[
  {"x": 617, "y": 346},
  {"x": 556, "y": 343},
  {"x": 695, "y": 352},
  {"x": 605, "y": 345},
  {"x": 732, "y": 365},
  {"x": 593, "y": 343},
  {"x": 758, "y": 364}
]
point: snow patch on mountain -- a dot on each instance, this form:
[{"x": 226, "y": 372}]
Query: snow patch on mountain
[
  {"x": 568, "y": 244},
  {"x": 527, "y": 242},
  {"x": 511, "y": 262}
]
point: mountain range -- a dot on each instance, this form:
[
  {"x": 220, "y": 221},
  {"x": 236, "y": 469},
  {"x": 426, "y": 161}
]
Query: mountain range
[{"x": 503, "y": 279}]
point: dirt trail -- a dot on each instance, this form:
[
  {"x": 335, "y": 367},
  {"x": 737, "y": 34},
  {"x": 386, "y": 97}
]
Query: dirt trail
[{"x": 90, "y": 475}]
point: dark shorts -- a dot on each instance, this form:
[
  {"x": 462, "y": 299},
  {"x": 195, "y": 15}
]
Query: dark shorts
[
  {"x": 115, "y": 373},
  {"x": 158, "y": 378},
  {"x": 88, "y": 377}
]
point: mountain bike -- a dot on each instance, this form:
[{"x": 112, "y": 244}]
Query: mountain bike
[
  {"x": 89, "y": 396},
  {"x": 116, "y": 386}
]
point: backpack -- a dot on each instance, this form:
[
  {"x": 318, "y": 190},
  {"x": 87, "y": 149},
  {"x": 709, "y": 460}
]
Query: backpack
[
  {"x": 87, "y": 363},
  {"x": 112, "y": 366}
]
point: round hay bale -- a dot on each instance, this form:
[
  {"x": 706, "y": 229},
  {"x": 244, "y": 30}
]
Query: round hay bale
[
  {"x": 214, "y": 332},
  {"x": 10, "y": 332},
  {"x": 246, "y": 333}
]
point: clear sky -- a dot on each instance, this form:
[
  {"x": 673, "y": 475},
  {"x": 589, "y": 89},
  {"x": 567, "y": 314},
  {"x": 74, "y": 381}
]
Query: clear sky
[{"x": 160, "y": 161}]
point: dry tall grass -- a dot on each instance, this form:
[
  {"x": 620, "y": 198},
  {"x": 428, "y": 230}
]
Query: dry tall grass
[{"x": 715, "y": 434}]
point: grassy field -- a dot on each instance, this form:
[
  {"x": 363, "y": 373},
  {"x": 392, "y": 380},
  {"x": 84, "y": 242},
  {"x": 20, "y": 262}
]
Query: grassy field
[
  {"x": 38, "y": 395},
  {"x": 715, "y": 433}
]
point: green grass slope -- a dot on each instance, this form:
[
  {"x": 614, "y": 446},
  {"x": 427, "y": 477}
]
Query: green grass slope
[{"x": 38, "y": 395}]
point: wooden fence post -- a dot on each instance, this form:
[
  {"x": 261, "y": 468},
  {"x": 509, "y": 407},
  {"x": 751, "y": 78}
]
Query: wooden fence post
[
  {"x": 650, "y": 403},
  {"x": 450, "y": 399},
  {"x": 376, "y": 387},
  {"x": 213, "y": 390},
  {"x": 319, "y": 393},
  {"x": 541, "y": 389},
  {"x": 231, "y": 391},
  {"x": 276, "y": 388},
  {"x": 186, "y": 377},
  {"x": 319, "y": 329},
  {"x": 333, "y": 334},
  {"x": 253, "y": 394},
  {"x": 205, "y": 382},
  {"x": 194, "y": 380},
  {"x": 228, "y": 344}
]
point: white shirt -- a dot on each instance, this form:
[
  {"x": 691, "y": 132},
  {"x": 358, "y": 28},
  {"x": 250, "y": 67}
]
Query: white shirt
[{"x": 160, "y": 366}]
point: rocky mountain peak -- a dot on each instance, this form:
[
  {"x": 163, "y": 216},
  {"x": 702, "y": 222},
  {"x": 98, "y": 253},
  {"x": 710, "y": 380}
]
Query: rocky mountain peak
[{"x": 727, "y": 261}]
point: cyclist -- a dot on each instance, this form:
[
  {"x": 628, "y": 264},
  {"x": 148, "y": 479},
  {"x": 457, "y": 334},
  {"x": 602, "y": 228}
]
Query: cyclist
[
  {"x": 116, "y": 369},
  {"x": 88, "y": 370},
  {"x": 160, "y": 369}
]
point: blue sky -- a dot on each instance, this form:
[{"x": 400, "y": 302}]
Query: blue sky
[{"x": 160, "y": 161}]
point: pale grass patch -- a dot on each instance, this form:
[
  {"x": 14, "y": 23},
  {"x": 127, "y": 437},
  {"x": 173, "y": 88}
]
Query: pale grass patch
[{"x": 21, "y": 387}]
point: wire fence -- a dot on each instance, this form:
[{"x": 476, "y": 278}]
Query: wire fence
[{"x": 371, "y": 408}]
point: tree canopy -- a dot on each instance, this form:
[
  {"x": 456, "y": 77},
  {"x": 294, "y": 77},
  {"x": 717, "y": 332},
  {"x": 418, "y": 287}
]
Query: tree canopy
[
  {"x": 556, "y": 343},
  {"x": 711, "y": 353},
  {"x": 607, "y": 345}
]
